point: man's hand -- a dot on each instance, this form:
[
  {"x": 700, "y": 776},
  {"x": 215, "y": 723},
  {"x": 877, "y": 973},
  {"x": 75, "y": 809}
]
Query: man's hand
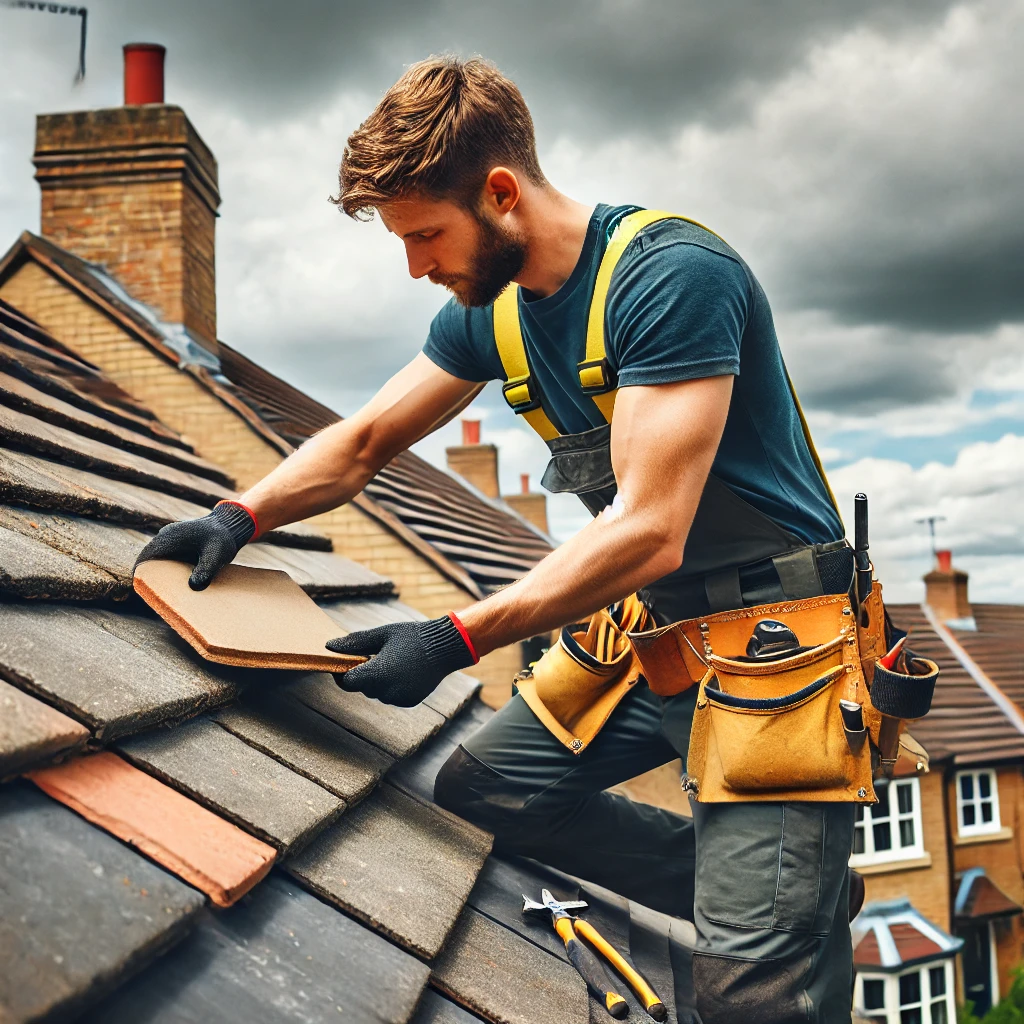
[
  {"x": 209, "y": 542},
  {"x": 409, "y": 659}
]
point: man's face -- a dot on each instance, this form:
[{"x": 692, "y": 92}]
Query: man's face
[{"x": 472, "y": 254}]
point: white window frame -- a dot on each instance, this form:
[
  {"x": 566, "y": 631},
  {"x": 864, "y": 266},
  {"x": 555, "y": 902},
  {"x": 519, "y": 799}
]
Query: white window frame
[
  {"x": 979, "y": 828},
  {"x": 896, "y": 852},
  {"x": 891, "y": 982}
]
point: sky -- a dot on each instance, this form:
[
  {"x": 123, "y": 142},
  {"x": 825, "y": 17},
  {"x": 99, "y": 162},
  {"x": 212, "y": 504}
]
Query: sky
[{"x": 865, "y": 160}]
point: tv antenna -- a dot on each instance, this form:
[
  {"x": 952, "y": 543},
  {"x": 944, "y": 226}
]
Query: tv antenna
[
  {"x": 931, "y": 521},
  {"x": 48, "y": 8}
]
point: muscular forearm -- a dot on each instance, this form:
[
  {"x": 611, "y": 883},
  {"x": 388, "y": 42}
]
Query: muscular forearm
[{"x": 615, "y": 555}]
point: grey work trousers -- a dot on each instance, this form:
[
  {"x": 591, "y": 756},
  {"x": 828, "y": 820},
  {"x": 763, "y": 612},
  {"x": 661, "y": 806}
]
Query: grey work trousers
[{"x": 765, "y": 883}]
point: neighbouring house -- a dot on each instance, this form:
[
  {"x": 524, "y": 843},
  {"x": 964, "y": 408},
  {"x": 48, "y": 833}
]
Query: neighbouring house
[
  {"x": 123, "y": 274},
  {"x": 181, "y": 840},
  {"x": 943, "y": 852}
]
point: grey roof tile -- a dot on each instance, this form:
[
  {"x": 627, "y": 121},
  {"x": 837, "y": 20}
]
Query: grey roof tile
[
  {"x": 399, "y": 731},
  {"x": 308, "y": 743},
  {"x": 452, "y": 694},
  {"x": 434, "y": 1008},
  {"x": 321, "y": 574},
  {"x": 279, "y": 957},
  {"x": 115, "y": 672},
  {"x": 506, "y": 978},
  {"x": 236, "y": 780},
  {"x": 402, "y": 866},
  {"x": 79, "y": 911},
  {"x": 32, "y": 733},
  {"x": 30, "y": 568}
]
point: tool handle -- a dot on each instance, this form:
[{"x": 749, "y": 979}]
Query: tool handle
[
  {"x": 590, "y": 970},
  {"x": 652, "y": 1004},
  {"x": 860, "y": 522}
]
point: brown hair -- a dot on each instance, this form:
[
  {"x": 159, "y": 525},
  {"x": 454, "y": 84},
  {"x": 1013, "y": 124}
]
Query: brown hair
[{"x": 438, "y": 130}]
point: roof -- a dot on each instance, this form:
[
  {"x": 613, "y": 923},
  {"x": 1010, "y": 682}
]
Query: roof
[
  {"x": 890, "y": 935},
  {"x": 978, "y": 898},
  {"x": 479, "y": 543},
  {"x": 180, "y": 840},
  {"x": 976, "y": 714}
]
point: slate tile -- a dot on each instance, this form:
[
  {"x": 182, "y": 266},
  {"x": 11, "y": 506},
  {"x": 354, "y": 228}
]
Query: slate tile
[
  {"x": 237, "y": 781},
  {"x": 434, "y": 1008},
  {"x": 29, "y": 568},
  {"x": 399, "y": 731},
  {"x": 257, "y": 618},
  {"x": 453, "y": 693},
  {"x": 32, "y": 732},
  {"x": 416, "y": 774},
  {"x": 321, "y": 574},
  {"x": 279, "y": 956},
  {"x": 208, "y": 852},
  {"x": 115, "y": 672},
  {"x": 28, "y": 433},
  {"x": 308, "y": 743},
  {"x": 109, "y": 547},
  {"x": 18, "y": 394},
  {"x": 507, "y": 979},
  {"x": 402, "y": 866},
  {"x": 353, "y": 616},
  {"x": 79, "y": 911}
]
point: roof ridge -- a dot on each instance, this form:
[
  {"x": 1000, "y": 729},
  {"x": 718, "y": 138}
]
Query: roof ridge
[{"x": 975, "y": 671}]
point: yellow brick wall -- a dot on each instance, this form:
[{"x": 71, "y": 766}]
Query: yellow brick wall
[
  {"x": 928, "y": 888},
  {"x": 220, "y": 435}
]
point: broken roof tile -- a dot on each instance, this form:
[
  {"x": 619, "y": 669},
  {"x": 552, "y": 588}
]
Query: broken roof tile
[
  {"x": 115, "y": 672},
  {"x": 236, "y": 780},
  {"x": 213, "y": 855},
  {"x": 279, "y": 956},
  {"x": 507, "y": 979},
  {"x": 32, "y": 732},
  {"x": 308, "y": 743},
  {"x": 402, "y": 866},
  {"x": 398, "y": 731},
  {"x": 79, "y": 911}
]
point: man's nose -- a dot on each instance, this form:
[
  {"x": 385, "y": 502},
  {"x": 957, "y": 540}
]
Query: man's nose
[{"x": 420, "y": 263}]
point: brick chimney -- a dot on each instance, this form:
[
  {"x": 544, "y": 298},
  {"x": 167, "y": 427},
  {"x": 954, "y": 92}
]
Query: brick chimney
[
  {"x": 134, "y": 188},
  {"x": 946, "y": 592},
  {"x": 473, "y": 461},
  {"x": 531, "y": 505}
]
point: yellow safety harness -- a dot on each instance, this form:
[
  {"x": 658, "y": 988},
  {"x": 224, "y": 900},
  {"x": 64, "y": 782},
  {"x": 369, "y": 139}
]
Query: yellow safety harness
[{"x": 597, "y": 376}]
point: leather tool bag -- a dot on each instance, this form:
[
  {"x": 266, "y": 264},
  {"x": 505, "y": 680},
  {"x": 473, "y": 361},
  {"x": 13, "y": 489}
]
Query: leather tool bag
[
  {"x": 773, "y": 730},
  {"x": 580, "y": 680}
]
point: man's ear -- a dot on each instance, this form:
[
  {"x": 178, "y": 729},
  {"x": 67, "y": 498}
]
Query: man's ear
[{"x": 501, "y": 190}]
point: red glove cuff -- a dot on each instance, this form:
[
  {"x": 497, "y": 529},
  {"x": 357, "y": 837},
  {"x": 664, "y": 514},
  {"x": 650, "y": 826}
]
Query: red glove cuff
[{"x": 464, "y": 633}]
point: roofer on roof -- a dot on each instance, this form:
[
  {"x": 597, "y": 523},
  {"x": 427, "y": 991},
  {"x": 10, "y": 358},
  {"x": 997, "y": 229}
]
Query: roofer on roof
[{"x": 641, "y": 347}]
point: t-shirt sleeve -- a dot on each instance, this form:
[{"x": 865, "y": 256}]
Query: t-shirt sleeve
[
  {"x": 460, "y": 341},
  {"x": 677, "y": 312}
]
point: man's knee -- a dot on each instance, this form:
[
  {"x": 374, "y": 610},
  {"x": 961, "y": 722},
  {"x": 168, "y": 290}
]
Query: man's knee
[
  {"x": 472, "y": 790},
  {"x": 728, "y": 989}
]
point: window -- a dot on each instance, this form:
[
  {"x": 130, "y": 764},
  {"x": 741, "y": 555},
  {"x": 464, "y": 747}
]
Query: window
[
  {"x": 891, "y": 829},
  {"x": 923, "y": 995},
  {"x": 977, "y": 803}
]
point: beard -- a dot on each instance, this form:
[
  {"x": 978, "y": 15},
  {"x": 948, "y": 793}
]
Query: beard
[{"x": 499, "y": 256}]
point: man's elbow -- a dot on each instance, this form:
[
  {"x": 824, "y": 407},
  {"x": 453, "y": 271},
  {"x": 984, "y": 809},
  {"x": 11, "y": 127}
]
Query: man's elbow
[{"x": 666, "y": 553}]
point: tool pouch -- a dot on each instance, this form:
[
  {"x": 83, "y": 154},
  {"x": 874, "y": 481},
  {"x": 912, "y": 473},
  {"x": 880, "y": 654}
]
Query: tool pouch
[
  {"x": 772, "y": 730},
  {"x": 580, "y": 680}
]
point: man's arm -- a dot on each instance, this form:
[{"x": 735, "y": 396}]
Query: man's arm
[
  {"x": 333, "y": 466},
  {"x": 328, "y": 470},
  {"x": 664, "y": 440}
]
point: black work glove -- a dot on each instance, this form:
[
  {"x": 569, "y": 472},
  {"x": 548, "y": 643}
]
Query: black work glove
[
  {"x": 210, "y": 542},
  {"x": 411, "y": 658}
]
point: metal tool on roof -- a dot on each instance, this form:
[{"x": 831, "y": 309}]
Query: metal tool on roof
[{"x": 570, "y": 929}]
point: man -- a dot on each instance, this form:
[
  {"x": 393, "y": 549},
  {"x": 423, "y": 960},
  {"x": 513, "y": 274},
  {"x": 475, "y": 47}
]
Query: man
[{"x": 703, "y": 485}]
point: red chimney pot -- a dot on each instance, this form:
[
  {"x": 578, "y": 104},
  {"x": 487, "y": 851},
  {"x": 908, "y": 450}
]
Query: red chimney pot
[
  {"x": 945, "y": 560},
  {"x": 143, "y": 73},
  {"x": 470, "y": 431},
  {"x": 524, "y": 482}
]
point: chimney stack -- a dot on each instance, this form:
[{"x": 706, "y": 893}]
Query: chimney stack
[
  {"x": 475, "y": 462},
  {"x": 533, "y": 507},
  {"x": 946, "y": 593},
  {"x": 134, "y": 189}
]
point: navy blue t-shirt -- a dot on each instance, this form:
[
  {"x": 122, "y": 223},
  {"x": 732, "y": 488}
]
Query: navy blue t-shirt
[{"x": 681, "y": 305}]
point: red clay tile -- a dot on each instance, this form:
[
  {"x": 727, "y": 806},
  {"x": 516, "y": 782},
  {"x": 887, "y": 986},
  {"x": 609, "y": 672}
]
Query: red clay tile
[
  {"x": 203, "y": 849},
  {"x": 256, "y": 618}
]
